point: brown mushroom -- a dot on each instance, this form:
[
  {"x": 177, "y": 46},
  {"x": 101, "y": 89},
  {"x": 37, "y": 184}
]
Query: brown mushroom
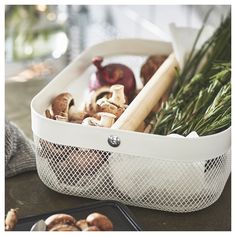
[
  {"x": 94, "y": 96},
  {"x": 48, "y": 114},
  {"x": 56, "y": 219},
  {"x": 11, "y": 219},
  {"x": 105, "y": 106},
  {"x": 64, "y": 227},
  {"x": 62, "y": 103},
  {"x": 76, "y": 162},
  {"x": 100, "y": 221},
  {"x": 60, "y": 107},
  {"x": 83, "y": 226},
  {"x": 116, "y": 104},
  {"x": 150, "y": 67}
]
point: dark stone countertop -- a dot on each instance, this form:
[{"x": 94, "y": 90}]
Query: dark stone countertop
[{"x": 27, "y": 192}]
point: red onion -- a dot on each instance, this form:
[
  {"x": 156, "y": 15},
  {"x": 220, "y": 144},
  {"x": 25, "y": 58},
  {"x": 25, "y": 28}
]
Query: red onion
[{"x": 113, "y": 74}]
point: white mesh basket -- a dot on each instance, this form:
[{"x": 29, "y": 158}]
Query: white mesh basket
[{"x": 152, "y": 171}]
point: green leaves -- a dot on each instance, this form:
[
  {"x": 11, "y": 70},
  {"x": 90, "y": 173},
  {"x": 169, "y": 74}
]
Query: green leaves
[{"x": 201, "y": 101}]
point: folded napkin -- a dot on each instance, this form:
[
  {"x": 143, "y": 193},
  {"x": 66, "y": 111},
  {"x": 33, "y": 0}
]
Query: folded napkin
[{"x": 19, "y": 151}]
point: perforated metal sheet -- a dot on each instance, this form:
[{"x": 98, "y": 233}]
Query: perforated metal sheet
[{"x": 134, "y": 180}]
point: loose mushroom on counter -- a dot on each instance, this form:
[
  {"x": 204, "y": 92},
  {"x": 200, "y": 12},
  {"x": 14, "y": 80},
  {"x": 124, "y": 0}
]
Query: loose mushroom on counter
[
  {"x": 59, "y": 219},
  {"x": 65, "y": 222},
  {"x": 11, "y": 219},
  {"x": 99, "y": 220}
]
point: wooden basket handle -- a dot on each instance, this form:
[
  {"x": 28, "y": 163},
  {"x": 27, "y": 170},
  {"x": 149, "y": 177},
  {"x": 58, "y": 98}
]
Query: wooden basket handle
[{"x": 149, "y": 96}]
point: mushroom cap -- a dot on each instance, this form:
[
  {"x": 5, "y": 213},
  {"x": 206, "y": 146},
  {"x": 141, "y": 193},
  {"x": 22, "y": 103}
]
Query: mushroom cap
[
  {"x": 55, "y": 219},
  {"x": 99, "y": 220},
  {"x": 150, "y": 67},
  {"x": 61, "y": 103},
  {"x": 64, "y": 227},
  {"x": 101, "y": 93}
]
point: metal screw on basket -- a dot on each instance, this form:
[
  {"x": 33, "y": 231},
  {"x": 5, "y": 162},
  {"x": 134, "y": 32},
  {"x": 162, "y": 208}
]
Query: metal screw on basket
[{"x": 114, "y": 141}]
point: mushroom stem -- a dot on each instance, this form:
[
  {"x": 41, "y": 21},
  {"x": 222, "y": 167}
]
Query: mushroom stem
[
  {"x": 76, "y": 115},
  {"x": 82, "y": 224},
  {"x": 48, "y": 114},
  {"x": 63, "y": 117},
  {"x": 118, "y": 96},
  {"x": 107, "y": 119}
]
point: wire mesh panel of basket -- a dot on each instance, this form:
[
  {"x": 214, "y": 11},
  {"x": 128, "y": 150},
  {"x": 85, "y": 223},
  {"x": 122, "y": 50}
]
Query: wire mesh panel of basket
[{"x": 135, "y": 180}]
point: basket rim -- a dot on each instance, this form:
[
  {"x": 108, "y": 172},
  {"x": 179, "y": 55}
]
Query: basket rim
[{"x": 133, "y": 143}]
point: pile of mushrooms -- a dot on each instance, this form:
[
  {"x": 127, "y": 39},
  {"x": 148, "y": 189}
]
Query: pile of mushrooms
[
  {"x": 64, "y": 222},
  {"x": 111, "y": 88},
  {"x": 102, "y": 107}
]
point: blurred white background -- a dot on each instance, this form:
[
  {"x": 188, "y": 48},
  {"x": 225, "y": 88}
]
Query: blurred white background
[{"x": 41, "y": 39}]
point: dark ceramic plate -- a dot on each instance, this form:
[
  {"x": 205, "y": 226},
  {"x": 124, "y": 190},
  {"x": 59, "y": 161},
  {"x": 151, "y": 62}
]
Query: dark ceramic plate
[{"x": 118, "y": 213}]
